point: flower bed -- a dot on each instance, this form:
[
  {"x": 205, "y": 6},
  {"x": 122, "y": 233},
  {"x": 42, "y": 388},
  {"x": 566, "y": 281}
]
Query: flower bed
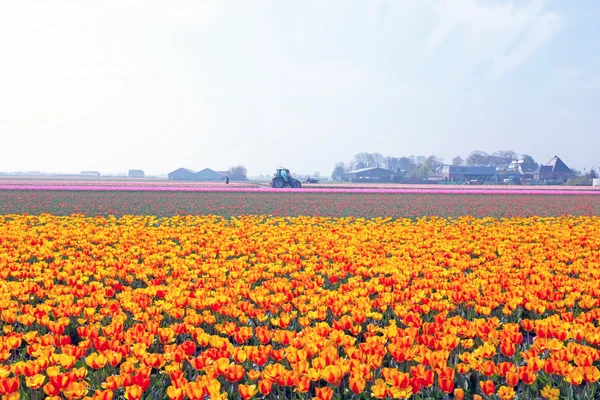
[{"x": 304, "y": 307}]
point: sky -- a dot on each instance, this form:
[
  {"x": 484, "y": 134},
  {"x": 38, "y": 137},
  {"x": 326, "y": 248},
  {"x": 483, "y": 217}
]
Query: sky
[{"x": 115, "y": 85}]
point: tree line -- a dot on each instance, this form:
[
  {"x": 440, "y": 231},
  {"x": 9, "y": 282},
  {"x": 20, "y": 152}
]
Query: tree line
[{"x": 422, "y": 166}]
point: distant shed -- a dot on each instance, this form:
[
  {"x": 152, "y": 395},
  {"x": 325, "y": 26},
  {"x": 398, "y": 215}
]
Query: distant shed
[
  {"x": 136, "y": 173},
  {"x": 368, "y": 174},
  {"x": 89, "y": 173},
  {"x": 182, "y": 174},
  {"x": 208, "y": 174}
]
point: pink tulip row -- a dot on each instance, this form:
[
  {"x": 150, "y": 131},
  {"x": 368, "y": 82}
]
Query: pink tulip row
[{"x": 173, "y": 188}]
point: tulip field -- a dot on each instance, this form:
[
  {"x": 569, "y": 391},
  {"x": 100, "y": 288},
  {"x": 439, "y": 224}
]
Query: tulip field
[
  {"x": 257, "y": 295},
  {"x": 372, "y": 203}
]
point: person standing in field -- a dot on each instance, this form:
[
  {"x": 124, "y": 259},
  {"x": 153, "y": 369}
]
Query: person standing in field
[{"x": 227, "y": 180}]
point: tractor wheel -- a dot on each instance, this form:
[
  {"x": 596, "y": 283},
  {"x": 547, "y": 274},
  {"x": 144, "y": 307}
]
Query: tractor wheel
[
  {"x": 278, "y": 183},
  {"x": 296, "y": 184}
]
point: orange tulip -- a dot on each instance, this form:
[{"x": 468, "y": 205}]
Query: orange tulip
[
  {"x": 154, "y": 360},
  {"x": 35, "y": 382},
  {"x": 103, "y": 395},
  {"x": 302, "y": 383},
  {"x": 264, "y": 386},
  {"x": 96, "y": 361},
  {"x": 9, "y": 385},
  {"x": 325, "y": 393},
  {"x": 527, "y": 375},
  {"x": 507, "y": 348},
  {"x": 512, "y": 378},
  {"x": 59, "y": 381},
  {"x": 234, "y": 373},
  {"x": 535, "y": 364},
  {"x": 488, "y": 387},
  {"x": 133, "y": 392},
  {"x": 446, "y": 385},
  {"x": 332, "y": 374},
  {"x": 75, "y": 390},
  {"x": 31, "y": 369},
  {"x": 575, "y": 377},
  {"x": 591, "y": 374},
  {"x": 488, "y": 368},
  {"x": 506, "y": 393},
  {"x": 247, "y": 391},
  {"x": 459, "y": 393},
  {"x": 550, "y": 393},
  {"x": 379, "y": 389},
  {"x": 175, "y": 393},
  {"x": 357, "y": 384},
  {"x": 51, "y": 390},
  {"x": 195, "y": 390},
  {"x": 113, "y": 358}
]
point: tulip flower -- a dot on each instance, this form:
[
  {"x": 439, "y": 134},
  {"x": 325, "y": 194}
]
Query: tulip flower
[
  {"x": 488, "y": 387},
  {"x": 325, "y": 393},
  {"x": 35, "y": 382},
  {"x": 247, "y": 391},
  {"x": 133, "y": 392},
  {"x": 506, "y": 393}
]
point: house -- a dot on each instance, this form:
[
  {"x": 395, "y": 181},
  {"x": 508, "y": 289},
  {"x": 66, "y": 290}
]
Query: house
[
  {"x": 517, "y": 171},
  {"x": 461, "y": 173},
  {"x": 554, "y": 170},
  {"x": 368, "y": 174},
  {"x": 136, "y": 173},
  {"x": 182, "y": 174},
  {"x": 520, "y": 167},
  {"x": 207, "y": 174}
]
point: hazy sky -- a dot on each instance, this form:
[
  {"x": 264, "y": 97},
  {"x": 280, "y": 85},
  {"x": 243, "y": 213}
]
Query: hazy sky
[{"x": 113, "y": 85}]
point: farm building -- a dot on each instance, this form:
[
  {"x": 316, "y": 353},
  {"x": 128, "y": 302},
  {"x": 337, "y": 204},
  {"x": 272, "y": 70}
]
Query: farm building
[
  {"x": 517, "y": 171},
  {"x": 136, "y": 173},
  {"x": 89, "y": 173},
  {"x": 461, "y": 173},
  {"x": 554, "y": 170},
  {"x": 368, "y": 174},
  {"x": 182, "y": 174},
  {"x": 185, "y": 174},
  {"x": 522, "y": 168},
  {"x": 208, "y": 174}
]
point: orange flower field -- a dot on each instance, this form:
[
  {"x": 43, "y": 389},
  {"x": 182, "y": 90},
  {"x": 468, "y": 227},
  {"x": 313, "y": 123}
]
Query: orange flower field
[{"x": 298, "y": 308}]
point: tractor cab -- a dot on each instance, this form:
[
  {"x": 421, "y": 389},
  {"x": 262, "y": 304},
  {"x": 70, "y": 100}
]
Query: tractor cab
[
  {"x": 283, "y": 173},
  {"x": 284, "y": 178}
]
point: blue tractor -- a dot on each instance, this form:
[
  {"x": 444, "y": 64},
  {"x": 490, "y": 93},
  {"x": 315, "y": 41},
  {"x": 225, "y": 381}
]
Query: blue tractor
[{"x": 283, "y": 178}]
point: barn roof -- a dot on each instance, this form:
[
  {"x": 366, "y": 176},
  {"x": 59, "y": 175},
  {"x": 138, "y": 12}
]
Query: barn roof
[
  {"x": 558, "y": 165},
  {"x": 184, "y": 169},
  {"x": 208, "y": 171},
  {"x": 356, "y": 171}
]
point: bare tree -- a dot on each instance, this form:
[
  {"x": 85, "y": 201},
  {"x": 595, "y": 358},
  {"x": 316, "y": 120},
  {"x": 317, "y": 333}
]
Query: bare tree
[
  {"x": 392, "y": 163},
  {"x": 503, "y": 157},
  {"x": 432, "y": 163},
  {"x": 238, "y": 173},
  {"x": 478, "y": 158},
  {"x": 458, "y": 160},
  {"x": 407, "y": 164},
  {"x": 377, "y": 160},
  {"x": 418, "y": 160},
  {"x": 363, "y": 160}
]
